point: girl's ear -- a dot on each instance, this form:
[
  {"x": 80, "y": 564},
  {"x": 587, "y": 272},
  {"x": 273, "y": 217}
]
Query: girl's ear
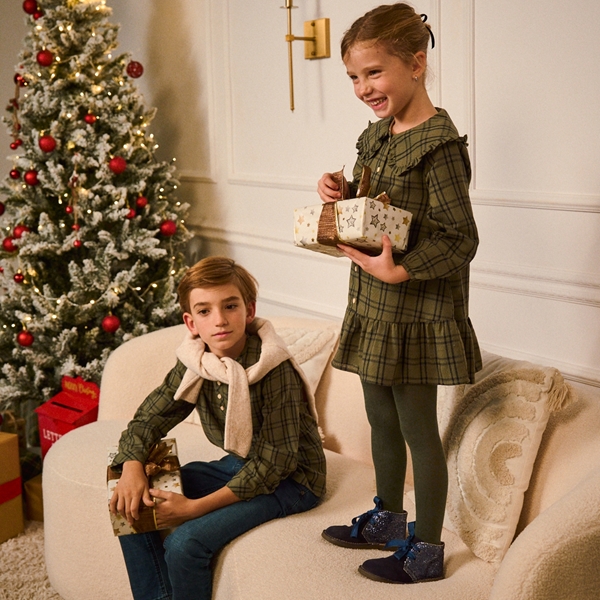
[
  {"x": 419, "y": 64},
  {"x": 250, "y": 312},
  {"x": 189, "y": 323}
]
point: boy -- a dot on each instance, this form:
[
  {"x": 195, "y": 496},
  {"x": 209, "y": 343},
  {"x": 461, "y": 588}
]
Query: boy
[{"x": 253, "y": 402}]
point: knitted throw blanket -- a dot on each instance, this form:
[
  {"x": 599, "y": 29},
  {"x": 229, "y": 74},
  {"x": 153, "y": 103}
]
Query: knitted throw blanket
[{"x": 203, "y": 365}]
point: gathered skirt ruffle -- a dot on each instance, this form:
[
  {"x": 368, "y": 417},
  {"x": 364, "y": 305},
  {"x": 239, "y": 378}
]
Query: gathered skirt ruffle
[{"x": 384, "y": 353}]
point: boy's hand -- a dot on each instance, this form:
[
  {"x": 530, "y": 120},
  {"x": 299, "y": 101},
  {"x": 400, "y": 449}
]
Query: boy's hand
[
  {"x": 172, "y": 509},
  {"x": 131, "y": 489},
  {"x": 329, "y": 190},
  {"x": 381, "y": 266}
]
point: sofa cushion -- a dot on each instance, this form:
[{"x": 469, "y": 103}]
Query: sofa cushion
[{"x": 491, "y": 436}]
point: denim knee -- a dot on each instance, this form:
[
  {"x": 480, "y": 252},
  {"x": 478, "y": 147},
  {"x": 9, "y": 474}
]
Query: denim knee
[{"x": 183, "y": 550}]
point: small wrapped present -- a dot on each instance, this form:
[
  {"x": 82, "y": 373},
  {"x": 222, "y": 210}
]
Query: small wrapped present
[
  {"x": 163, "y": 471},
  {"x": 11, "y": 502},
  {"x": 359, "y": 222}
]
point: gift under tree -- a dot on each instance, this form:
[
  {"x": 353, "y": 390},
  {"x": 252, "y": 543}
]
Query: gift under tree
[{"x": 92, "y": 232}]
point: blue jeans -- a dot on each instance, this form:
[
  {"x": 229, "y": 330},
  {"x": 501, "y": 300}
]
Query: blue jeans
[{"x": 180, "y": 569}]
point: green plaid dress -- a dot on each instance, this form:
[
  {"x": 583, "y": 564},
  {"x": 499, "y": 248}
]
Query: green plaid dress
[{"x": 416, "y": 332}]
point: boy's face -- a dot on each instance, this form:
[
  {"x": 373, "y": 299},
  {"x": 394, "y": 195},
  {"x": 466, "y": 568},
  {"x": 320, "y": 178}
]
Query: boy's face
[{"x": 219, "y": 316}]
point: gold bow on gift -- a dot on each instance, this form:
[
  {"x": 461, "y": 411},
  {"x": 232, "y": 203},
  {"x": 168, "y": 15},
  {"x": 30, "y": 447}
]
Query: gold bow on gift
[{"x": 327, "y": 232}]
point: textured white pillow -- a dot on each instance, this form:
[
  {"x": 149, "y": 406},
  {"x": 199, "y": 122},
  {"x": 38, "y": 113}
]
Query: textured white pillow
[{"x": 491, "y": 439}]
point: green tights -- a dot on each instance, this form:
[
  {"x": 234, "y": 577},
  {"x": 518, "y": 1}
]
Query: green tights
[{"x": 403, "y": 415}]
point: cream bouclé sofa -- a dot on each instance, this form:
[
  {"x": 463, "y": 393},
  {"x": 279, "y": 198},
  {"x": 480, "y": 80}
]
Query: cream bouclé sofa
[{"x": 501, "y": 486}]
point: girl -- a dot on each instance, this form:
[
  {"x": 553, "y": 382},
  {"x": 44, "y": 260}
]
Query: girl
[{"x": 406, "y": 328}]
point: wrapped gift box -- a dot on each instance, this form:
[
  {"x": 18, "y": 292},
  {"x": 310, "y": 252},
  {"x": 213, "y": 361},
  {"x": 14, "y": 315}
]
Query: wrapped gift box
[
  {"x": 358, "y": 222},
  {"x": 163, "y": 472},
  {"x": 74, "y": 406},
  {"x": 11, "y": 502}
]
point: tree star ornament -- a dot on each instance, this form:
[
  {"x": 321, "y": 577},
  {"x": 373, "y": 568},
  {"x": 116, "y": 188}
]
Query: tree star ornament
[
  {"x": 117, "y": 165},
  {"x": 135, "y": 69}
]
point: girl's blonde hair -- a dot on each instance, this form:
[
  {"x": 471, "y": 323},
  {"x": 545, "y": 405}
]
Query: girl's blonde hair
[
  {"x": 215, "y": 271},
  {"x": 397, "y": 27}
]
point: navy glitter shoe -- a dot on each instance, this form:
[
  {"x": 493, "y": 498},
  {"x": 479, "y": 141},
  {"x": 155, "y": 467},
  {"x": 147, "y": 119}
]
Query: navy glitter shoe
[
  {"x": 415, "y": 561},
  {"x": 373, "y": 529}
]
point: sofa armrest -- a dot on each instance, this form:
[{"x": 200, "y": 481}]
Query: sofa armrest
[{"x": 558, "y": 553}]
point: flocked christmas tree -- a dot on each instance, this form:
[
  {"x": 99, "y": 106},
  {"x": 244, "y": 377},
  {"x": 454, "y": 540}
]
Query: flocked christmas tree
[{"x": 92, "y": 233}]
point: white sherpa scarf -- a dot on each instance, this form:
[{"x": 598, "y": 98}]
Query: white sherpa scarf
[{"x": 203, "y": 365}]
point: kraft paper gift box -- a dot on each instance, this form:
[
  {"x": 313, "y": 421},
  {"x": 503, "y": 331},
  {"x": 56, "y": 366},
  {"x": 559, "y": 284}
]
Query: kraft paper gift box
[
  {"x": 34, "y": 501},
  {"x": 74, "y": 406},
  {"x": 11, "y": 501},
  {"x": 163, "y": 471}
]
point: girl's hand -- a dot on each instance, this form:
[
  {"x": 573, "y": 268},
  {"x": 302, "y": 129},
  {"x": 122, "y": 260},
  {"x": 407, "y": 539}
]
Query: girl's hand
[
  {"x": 131, "y": 489},
  {"x": 172, "y": 509},
  {"x": 329, "y": 190},
  {"x": 381, "y": 266}
]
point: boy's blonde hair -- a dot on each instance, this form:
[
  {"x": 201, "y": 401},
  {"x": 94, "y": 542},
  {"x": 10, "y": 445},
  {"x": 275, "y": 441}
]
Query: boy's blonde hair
[
  {"x": 215, "y": 271},
  {"x": 397, "y": 27}
]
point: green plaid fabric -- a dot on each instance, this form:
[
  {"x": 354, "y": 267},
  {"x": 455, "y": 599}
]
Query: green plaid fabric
[
  {"x": 285, "y": 442},
  {"x": 416, "y": 332}
]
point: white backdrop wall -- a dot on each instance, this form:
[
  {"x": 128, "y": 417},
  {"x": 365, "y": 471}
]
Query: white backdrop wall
[{"x": 520, "y": 78}]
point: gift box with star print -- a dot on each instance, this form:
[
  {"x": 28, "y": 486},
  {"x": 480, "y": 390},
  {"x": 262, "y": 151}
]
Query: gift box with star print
[
  {"x": 163, "y": 471},
  {"x": 358, "y": 222}
]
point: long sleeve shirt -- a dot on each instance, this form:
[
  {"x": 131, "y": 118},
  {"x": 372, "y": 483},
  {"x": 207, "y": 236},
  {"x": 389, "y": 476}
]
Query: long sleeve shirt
[{"x": 285, "y": 441}]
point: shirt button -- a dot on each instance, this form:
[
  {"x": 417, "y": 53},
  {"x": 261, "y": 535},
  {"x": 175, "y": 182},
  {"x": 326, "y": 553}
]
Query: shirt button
[
  {"x": 353, "y": 300},
  {"x": 222, "y": 407},
  {"x": 356, "y": 268},
  {"x": 378, "y": 169},
  {"x": 219, "y": 396}
]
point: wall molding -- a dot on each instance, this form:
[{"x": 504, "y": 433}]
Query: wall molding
[
  {"x": 549, "y": 284},
  {"x": 589, "y": 203}
]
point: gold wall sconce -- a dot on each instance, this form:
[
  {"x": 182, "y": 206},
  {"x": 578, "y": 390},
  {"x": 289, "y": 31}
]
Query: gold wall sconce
[{"x": 316, "y": 42}]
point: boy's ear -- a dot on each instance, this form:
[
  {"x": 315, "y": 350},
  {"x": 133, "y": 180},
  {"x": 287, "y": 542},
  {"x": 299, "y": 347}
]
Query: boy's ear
[
  {"x": 189, "y": 323},
  {"x": 250, "y": 312}
]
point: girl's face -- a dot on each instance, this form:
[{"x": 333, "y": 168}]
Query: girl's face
[{"x": 385, "y": 82}]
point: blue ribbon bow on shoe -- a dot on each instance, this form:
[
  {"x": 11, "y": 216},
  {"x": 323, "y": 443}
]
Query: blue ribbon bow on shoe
[{"x": 358, "y": 521}]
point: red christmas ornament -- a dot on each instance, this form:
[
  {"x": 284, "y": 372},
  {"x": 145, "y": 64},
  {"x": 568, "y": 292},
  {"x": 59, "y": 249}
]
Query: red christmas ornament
[
  {"x": 110, "y": 323},
  {"x": 24, "y": 338},
  {"x": 19, "y": 277},
  {"x": 69, "y": 210},
  {"x": 141, "y": 202},
  {"x": 31, "y": 177},
  {"x": 15, "y": 174},
  {"x": 14, "y": 145},
  {"x": 75, "y": 227},
  {"x": 7, "y": 244},
  {"x": 38, "y": 14},
  {"x": 47, "y": 143},
  {"x": 20, "y": 80},
  {"x": 45, "y": 58},
  {"x": 131, "y": 214},
  {"x": 168, "y": 227},
  {"x": 117, "y": 165},
  {"x": 30, "y": 6},
  {"x": 2, "y": 208},
  {"x": 1, "y": 269},
  {"x": 135, "y": 69},
  {"x": 77, "y": 243},
  {"x": 19, "y": 230},
  {"x": 90, "y": 119}
]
